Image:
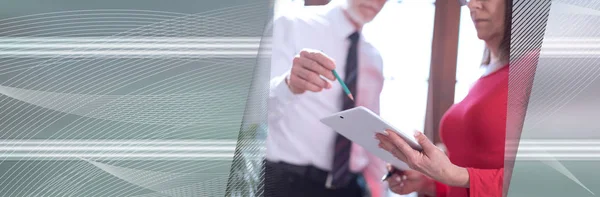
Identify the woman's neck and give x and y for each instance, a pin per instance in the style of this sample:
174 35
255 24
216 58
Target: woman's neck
495 53
496 63
496 57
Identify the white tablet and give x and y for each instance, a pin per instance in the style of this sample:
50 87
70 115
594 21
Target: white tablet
360 124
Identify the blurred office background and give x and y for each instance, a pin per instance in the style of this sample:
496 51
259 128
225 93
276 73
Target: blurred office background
403 32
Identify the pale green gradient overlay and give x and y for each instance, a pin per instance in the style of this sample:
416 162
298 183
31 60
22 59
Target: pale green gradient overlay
132 98
559 152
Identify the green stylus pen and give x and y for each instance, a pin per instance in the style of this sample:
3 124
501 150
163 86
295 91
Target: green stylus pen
343 85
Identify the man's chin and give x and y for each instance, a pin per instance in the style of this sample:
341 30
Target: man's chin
362 20
366 19
356 18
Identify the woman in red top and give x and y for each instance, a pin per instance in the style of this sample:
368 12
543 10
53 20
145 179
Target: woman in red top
473 130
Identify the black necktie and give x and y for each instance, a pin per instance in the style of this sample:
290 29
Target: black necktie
341 175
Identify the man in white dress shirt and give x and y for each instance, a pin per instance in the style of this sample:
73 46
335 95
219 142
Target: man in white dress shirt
304 156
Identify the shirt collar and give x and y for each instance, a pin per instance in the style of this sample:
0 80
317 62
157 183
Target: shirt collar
341 23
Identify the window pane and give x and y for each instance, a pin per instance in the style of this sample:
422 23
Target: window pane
470 53
403 32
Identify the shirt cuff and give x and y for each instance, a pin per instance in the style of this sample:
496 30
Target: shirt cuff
281 91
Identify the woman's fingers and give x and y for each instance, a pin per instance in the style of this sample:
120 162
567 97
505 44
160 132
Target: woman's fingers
425 143
401 145
385 142
388 145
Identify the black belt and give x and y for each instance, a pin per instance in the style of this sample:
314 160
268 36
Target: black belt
315 174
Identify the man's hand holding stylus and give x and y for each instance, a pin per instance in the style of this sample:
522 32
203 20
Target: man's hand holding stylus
307 68
409 181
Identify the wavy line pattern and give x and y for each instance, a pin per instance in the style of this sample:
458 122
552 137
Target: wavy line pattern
121 102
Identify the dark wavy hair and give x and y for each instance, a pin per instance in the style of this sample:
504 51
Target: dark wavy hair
504 52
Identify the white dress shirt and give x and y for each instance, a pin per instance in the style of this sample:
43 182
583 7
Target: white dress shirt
296 136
